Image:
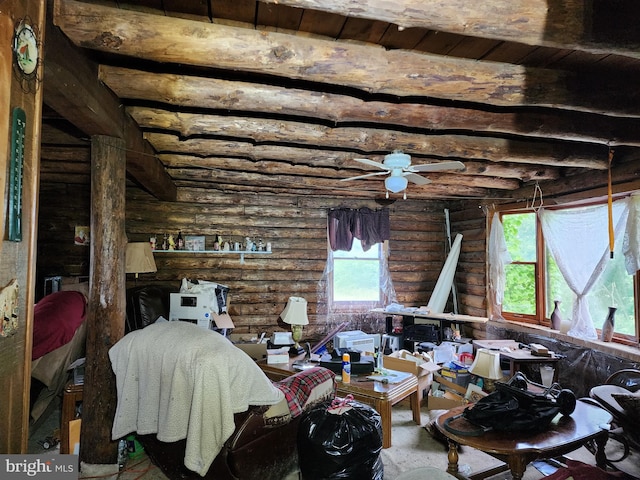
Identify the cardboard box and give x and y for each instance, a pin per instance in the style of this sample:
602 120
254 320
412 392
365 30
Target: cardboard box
449 385
419 364
248 343
448 401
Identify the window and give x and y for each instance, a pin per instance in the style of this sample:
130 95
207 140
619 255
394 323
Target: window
533 281
357 275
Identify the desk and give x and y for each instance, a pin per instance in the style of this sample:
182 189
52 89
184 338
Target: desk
375 394
565 434
516 355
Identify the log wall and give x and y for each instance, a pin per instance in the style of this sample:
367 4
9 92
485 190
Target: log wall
259 288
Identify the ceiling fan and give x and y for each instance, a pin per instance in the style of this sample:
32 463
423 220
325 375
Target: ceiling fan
398 166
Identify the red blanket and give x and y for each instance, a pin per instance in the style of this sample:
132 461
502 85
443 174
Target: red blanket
56 318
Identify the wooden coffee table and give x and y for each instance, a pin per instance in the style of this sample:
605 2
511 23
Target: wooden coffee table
379 395
565 434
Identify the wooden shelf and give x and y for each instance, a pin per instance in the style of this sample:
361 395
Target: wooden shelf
242 253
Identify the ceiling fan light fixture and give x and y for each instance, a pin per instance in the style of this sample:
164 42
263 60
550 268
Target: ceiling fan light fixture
395 184
397 159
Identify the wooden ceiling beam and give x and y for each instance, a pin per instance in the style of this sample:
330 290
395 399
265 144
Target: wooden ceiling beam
489 169
173 40
203 147
72 89
371 140
218 94
568 24
277 169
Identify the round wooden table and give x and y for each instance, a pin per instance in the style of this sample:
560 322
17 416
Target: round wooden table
565 434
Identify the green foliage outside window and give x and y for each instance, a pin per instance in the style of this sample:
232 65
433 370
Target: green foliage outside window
356 274
613 288
520 292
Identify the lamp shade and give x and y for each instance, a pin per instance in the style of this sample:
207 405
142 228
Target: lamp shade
487 364
295 313
395 184
139 258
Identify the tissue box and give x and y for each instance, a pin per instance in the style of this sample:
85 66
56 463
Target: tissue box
277 355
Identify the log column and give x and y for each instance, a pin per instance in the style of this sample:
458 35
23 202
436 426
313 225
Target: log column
106 310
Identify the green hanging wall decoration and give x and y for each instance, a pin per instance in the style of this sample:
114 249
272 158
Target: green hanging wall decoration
16 165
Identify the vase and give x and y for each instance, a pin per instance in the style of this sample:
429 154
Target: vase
608 326
556 319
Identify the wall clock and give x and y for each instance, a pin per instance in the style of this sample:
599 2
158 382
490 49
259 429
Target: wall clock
26 54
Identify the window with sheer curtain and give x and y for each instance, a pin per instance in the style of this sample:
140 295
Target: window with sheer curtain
563 254
356 276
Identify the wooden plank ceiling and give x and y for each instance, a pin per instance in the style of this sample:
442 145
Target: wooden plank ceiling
281 96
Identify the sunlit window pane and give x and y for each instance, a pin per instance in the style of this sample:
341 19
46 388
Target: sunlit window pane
356 274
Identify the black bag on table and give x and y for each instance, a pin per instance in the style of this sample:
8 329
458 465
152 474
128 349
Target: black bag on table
340 440
502 411
512 409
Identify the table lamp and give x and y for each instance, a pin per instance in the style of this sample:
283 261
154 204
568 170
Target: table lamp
295 314
486 364
139 258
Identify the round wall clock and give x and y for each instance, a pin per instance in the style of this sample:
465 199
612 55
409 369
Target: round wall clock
26 52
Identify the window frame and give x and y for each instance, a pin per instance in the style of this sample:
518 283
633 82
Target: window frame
356 305
540 275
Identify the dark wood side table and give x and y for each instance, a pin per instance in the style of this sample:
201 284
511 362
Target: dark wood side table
71 396
381 396
565 434
509 350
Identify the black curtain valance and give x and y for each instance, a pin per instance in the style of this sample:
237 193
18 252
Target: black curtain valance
368 226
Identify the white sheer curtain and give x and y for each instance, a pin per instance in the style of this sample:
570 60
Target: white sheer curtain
578 239
499 258
631 243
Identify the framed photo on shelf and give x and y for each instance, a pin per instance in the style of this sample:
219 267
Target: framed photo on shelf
194 243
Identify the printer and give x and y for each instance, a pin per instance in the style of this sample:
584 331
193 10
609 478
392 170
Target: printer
197 308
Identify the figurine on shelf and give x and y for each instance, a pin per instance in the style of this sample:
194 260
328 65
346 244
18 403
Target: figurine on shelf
172 243
152 241
248 244
216 243
260 245
165 242
180 245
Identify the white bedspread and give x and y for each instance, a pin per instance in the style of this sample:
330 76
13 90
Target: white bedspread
180 381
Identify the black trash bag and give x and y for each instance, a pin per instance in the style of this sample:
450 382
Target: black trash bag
341 439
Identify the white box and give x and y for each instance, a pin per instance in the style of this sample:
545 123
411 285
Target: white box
277 355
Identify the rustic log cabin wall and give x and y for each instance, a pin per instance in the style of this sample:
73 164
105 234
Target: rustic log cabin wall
469 219
296 228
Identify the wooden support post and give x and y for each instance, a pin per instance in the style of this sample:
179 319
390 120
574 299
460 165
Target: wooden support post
106 310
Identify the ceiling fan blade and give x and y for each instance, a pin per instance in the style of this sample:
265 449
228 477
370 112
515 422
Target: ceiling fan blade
417 179
436 167
363 176
373 163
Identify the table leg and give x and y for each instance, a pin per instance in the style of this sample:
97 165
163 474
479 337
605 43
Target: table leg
517 465
384 409
601 457
414 399
452 457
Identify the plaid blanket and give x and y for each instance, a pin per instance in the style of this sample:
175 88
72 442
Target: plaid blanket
298 389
